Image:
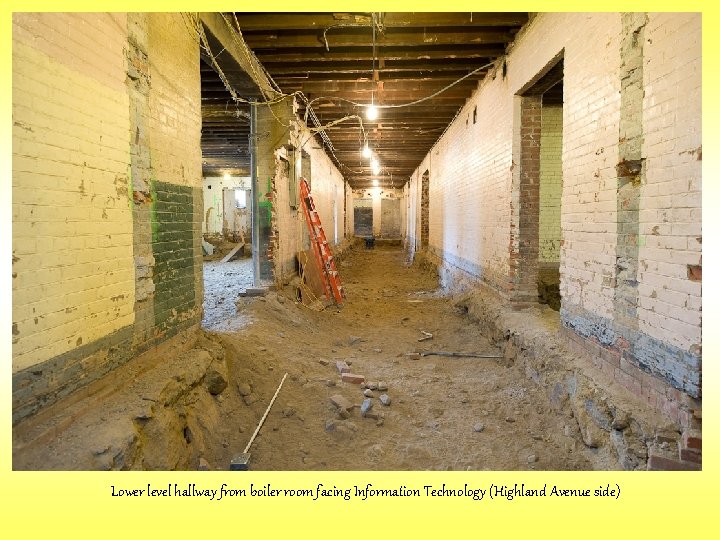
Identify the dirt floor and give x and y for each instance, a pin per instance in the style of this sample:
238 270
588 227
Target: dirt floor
443 413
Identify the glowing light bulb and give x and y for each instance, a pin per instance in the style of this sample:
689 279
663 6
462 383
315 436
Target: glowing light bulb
375 166
372 112
366 152
376 183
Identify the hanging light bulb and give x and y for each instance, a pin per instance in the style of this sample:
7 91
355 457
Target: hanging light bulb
371 112
226 176
366 152
376 183
375 166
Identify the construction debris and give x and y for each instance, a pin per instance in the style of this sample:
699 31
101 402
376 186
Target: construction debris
342 367
367 404
427 336
352 378
208 248
233 252
341 402
253 292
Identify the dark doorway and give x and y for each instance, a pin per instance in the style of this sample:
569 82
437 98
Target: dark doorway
363 216
425 210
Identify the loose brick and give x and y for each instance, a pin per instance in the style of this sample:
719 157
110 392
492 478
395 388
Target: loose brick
352 378
341 402
342 366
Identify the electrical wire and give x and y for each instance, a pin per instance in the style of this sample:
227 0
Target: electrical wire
259 72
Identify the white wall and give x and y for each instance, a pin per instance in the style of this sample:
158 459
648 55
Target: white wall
213 187
474 179
376 195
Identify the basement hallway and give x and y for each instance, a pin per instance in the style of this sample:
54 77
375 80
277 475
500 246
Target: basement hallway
444 413
179 180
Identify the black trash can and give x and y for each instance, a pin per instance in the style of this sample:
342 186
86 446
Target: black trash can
369 242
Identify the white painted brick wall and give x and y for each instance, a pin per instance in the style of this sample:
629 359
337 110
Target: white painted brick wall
349 213
328 193
72 219
471 167
670 201
175 120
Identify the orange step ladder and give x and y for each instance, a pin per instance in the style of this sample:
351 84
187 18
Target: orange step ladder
321 248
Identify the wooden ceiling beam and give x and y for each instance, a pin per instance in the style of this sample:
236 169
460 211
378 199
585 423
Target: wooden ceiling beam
355 86
353 38
447 74
387 78
311 56
309 21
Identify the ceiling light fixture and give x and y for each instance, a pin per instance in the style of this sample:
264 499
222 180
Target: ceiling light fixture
375 166
366 152
226 176
376 183
371 112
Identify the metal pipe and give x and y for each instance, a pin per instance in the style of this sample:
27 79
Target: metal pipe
255 195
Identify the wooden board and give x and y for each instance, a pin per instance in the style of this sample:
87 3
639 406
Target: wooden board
234 251
311 287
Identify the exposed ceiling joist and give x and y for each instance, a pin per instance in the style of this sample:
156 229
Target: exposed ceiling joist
310 21
332 56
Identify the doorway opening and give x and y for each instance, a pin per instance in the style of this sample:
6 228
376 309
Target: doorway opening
227 231
363 217
537 257
425 210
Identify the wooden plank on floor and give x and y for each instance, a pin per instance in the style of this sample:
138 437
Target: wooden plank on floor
234 251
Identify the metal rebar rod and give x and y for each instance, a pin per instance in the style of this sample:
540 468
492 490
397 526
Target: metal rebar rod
459 355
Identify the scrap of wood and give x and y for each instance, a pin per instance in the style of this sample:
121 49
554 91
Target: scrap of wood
459 354
233 252
428 336
251 291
